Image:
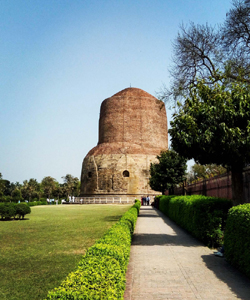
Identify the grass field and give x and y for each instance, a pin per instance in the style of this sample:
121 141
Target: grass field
36 254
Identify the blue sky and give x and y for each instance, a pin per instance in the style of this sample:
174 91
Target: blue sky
59 59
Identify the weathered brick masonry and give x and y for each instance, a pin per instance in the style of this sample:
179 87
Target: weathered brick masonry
132 131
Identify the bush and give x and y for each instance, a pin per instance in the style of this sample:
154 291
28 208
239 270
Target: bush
10 210
204 217
96 278
102 270
22 209
37 203
137 205
237 237
7 210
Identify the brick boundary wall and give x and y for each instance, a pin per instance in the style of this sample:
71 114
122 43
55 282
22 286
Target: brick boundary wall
218 186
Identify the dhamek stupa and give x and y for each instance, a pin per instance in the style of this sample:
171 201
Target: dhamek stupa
132 131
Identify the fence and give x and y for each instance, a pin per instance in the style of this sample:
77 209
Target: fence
218 186
103 200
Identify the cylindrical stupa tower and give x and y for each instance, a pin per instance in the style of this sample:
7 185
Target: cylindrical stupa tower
132 131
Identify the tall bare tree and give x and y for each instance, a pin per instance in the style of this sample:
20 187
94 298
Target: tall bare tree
211 53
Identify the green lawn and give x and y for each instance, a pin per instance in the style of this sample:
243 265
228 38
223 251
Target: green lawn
36 254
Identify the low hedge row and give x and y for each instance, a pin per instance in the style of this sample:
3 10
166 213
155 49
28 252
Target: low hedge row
102 270
204 217
237 237
35 203
14 210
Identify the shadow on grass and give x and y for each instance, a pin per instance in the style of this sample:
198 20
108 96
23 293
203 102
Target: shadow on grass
236 281
8 220
112 218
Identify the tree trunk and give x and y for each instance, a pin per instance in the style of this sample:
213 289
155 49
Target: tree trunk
171 191
237 186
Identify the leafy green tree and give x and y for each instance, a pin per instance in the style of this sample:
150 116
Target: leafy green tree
30 188
204 171
168 172
49 185
2 186
24 189
71 185
59 190
16 195
213 126
7 187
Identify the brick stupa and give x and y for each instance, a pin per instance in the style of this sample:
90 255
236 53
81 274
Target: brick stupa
132 131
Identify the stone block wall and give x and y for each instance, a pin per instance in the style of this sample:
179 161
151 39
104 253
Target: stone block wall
116 174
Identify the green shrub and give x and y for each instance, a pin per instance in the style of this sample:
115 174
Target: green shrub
137 205
120 253
16 195
37 203
102 270
7 210
204 217
96 278
237 237
22 209
8 198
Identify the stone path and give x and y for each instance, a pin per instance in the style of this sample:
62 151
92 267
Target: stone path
167 263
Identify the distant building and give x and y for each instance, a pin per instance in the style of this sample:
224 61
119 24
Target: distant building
132 131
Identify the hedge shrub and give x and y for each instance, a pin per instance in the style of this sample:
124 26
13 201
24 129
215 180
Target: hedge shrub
102 270
35 203
237 237
204 217
7 210
22 209
10 210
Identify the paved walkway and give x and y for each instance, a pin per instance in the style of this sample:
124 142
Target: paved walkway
167 263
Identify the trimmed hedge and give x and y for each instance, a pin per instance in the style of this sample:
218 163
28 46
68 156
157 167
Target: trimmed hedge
237 237
102 270
10 210
22 209
7 210
204 217
35 203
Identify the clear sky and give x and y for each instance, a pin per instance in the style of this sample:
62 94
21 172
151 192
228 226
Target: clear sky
59 59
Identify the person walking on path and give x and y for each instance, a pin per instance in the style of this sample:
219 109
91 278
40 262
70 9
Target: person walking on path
168 263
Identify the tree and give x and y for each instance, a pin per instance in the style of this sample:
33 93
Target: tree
168 172
30 188
213 54
49 185
213 126
235 35
199 172
71 185
7 187
2 186
16 195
